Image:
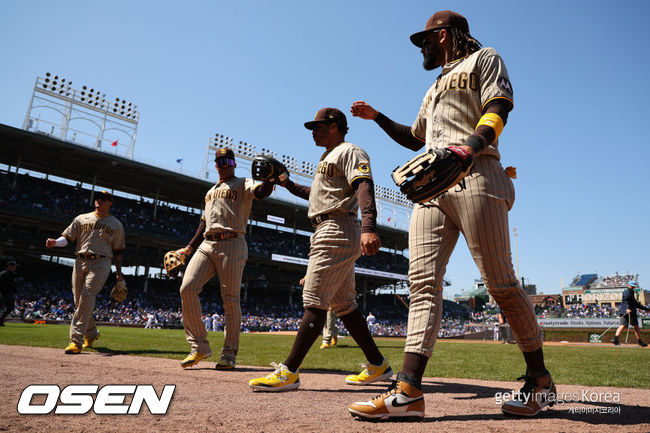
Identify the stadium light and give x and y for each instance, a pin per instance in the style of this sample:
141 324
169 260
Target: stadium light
56 93
394 203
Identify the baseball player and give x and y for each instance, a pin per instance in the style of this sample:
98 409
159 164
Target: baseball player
150 321
8 285
467 106
100 239
215 322
371 320
330 330
342 184
220 249
627 312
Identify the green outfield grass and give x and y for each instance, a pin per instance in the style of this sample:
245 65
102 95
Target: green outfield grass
589 366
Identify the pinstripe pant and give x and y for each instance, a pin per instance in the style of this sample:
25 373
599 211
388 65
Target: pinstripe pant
330 330
88 279
226 258
480 212
329 281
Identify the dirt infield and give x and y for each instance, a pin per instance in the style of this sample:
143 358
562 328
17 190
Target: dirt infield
207 400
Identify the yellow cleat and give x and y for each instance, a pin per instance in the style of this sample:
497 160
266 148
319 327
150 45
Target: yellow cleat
334 341
72 349
88 342
370 374
282 379
225 364
325 345
194 358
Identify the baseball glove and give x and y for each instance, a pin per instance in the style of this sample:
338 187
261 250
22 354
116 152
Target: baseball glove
432 173
267 168
119 291
174 260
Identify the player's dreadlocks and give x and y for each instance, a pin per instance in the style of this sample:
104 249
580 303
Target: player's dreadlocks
463 44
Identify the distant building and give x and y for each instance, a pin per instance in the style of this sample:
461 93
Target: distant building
544 301
607 290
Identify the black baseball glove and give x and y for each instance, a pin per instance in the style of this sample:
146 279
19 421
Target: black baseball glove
432 173
267 168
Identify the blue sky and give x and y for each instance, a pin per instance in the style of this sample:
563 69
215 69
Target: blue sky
256 71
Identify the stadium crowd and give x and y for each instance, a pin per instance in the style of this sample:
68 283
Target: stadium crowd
616 280
51 299
44 294
137 216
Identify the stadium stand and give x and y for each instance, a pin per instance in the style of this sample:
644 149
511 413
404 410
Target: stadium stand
57 201
584 280
44 294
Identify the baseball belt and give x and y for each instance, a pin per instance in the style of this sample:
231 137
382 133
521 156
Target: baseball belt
315 221
89 256
220 236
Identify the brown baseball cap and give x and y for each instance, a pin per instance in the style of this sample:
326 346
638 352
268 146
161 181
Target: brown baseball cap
105 195
441 20
224 152
328 115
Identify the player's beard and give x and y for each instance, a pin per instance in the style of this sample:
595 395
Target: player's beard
430 60
429 63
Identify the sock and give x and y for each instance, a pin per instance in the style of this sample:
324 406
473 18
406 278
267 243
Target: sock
535 361
410 379
311 325
358 329
413 366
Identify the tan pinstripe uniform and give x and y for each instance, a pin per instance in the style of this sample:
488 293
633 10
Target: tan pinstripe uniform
94 235
330 330
227 208
336 243
477 208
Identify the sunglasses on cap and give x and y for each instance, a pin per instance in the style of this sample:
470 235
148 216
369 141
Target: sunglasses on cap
225 162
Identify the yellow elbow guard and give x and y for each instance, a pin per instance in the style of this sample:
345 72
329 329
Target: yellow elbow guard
494 121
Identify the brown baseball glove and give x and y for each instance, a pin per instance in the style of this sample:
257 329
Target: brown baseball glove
432 173
119 291
175 260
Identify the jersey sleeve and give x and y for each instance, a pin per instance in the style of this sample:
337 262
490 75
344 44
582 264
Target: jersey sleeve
118 240
356 165
494 77
71 233
419 128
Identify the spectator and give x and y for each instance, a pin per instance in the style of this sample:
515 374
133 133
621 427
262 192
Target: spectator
8 283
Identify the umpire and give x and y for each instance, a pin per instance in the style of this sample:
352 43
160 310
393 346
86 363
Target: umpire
627 311
7 290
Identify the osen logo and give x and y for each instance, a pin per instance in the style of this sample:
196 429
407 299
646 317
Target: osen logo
80 399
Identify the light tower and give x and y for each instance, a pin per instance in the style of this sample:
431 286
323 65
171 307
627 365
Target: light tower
54 96
393 208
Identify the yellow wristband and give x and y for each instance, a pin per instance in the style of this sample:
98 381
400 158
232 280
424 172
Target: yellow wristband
494 121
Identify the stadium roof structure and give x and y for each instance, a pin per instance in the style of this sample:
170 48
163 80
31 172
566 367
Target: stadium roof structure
46 154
